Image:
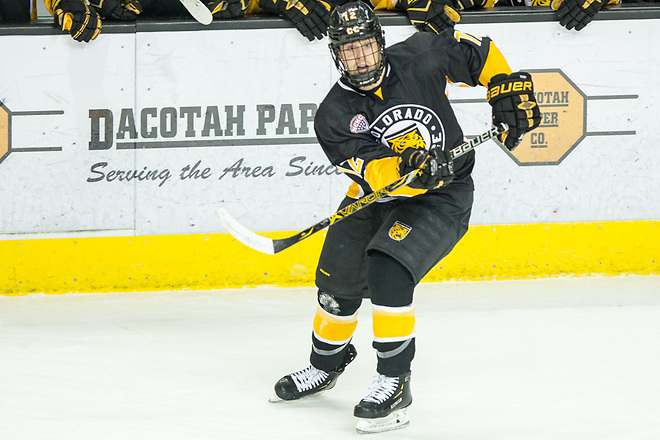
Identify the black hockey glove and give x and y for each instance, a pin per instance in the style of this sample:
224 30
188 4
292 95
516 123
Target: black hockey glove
311 17
228 8
513 102
577 13
117 9
83 23
437 167
431 15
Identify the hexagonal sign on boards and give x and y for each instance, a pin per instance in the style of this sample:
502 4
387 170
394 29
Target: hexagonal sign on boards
5 132
563 120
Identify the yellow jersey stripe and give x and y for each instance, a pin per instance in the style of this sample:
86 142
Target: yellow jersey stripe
382 172
495 63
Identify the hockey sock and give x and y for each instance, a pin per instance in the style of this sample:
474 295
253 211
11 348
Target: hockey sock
391 287
334 324
394 338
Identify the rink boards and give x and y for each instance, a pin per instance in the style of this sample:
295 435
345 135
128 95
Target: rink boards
115 155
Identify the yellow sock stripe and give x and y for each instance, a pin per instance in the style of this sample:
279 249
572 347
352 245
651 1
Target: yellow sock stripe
334 329
393 323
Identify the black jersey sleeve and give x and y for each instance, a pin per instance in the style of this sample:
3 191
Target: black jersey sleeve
480 57
461 57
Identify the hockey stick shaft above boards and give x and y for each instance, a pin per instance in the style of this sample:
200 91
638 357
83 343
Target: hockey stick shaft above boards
198 11
272 246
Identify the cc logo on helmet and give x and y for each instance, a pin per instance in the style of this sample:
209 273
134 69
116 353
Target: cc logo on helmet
353 30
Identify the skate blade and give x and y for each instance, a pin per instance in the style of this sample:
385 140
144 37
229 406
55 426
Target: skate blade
397 420
276 399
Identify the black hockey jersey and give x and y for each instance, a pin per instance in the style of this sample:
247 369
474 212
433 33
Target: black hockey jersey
17 11
363 133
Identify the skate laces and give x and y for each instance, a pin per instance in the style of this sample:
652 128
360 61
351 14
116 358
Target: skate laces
308 378
381 388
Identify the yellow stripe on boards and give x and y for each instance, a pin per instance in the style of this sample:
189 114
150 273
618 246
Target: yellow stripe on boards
553 249
217 261
150 263
334 329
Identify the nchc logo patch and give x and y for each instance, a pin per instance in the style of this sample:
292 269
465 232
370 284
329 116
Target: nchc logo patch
399 231
359 123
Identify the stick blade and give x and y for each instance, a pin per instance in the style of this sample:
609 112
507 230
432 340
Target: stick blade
199 12
244 235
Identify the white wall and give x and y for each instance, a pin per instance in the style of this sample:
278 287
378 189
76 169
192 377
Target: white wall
55 87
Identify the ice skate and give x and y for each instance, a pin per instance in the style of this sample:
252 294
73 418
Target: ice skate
385 408
311 380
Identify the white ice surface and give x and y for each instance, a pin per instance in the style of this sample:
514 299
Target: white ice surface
567 358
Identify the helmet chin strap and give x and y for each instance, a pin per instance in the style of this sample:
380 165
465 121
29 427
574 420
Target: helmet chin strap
367 80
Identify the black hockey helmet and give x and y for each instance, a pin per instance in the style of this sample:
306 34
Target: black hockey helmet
350 22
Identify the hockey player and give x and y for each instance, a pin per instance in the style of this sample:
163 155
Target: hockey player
82 19
386 116
572 14
576 14
17 11
436 15
311 16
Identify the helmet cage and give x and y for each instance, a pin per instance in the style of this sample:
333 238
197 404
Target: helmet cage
352 22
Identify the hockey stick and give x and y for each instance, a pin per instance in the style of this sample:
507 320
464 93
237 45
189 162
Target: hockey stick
272 246
199 12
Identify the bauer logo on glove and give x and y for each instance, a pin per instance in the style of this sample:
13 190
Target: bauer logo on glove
513 102
509 87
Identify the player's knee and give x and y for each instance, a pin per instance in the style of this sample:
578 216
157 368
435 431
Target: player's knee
337 305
